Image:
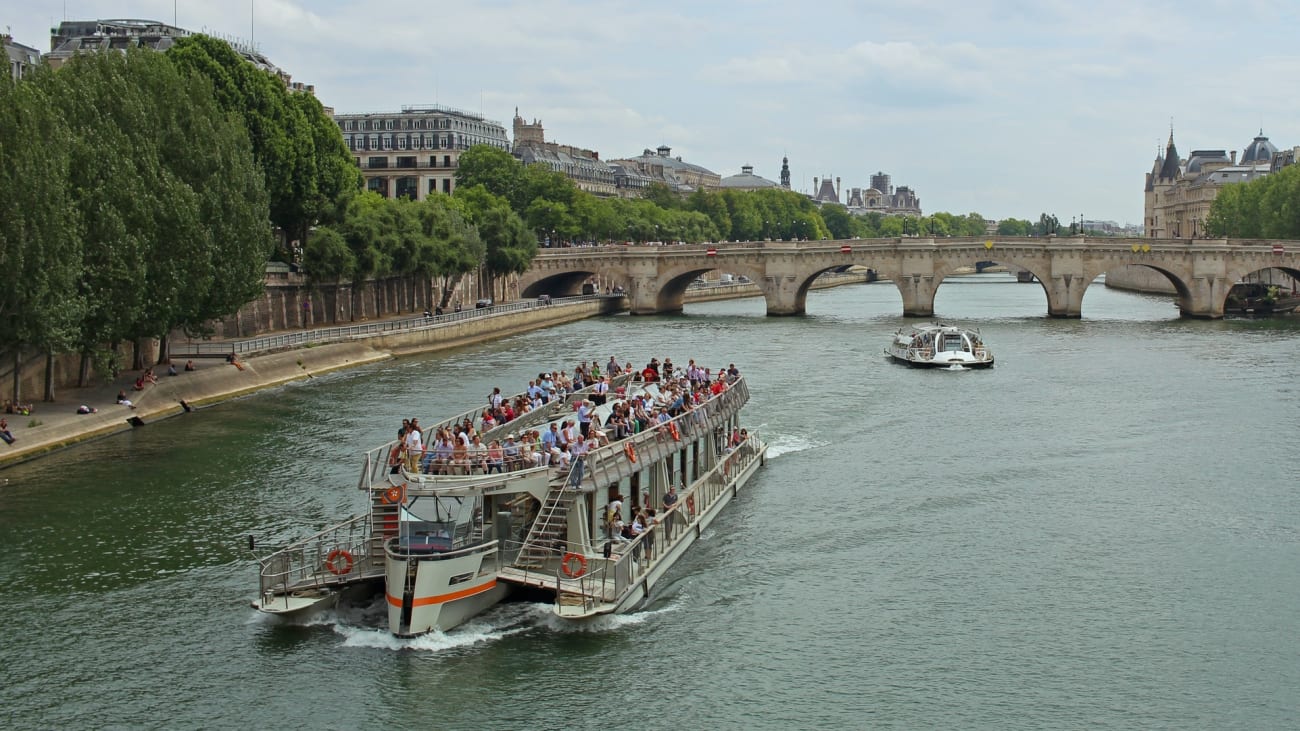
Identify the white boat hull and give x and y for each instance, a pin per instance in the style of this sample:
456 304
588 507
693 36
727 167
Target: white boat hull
446 591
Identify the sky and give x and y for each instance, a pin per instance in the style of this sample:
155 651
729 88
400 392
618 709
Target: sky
1004 108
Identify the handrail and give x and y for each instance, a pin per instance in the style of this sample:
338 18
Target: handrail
302 564
320 336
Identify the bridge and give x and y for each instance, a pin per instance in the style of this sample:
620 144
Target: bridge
655 277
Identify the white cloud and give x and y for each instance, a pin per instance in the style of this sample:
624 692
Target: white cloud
1007 107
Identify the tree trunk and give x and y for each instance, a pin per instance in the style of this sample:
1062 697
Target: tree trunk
18 375
164 350
137 355
83 371
49 376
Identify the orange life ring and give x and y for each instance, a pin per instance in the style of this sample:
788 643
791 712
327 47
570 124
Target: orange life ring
339 562
690 503
394 494
568 569
672 429
630 451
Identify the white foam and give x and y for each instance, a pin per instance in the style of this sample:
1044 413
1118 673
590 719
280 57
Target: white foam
790 443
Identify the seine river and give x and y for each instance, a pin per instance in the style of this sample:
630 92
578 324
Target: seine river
1100 532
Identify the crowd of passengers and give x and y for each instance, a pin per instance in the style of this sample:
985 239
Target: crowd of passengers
460 449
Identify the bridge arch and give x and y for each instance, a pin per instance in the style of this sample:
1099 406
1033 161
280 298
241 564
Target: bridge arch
670 289
566 283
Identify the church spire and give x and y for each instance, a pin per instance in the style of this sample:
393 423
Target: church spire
785 173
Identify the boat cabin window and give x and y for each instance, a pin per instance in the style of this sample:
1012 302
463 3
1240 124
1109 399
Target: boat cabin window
436 524
953 343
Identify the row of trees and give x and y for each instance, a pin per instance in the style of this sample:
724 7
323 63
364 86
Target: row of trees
130 205
1265 208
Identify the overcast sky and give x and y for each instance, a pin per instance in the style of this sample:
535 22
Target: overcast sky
1002 108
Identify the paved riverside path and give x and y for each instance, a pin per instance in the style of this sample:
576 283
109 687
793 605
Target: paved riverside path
55 425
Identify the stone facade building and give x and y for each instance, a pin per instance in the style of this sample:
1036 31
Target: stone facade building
1179 192
660 166
746 180
22 59
881 197
584 167
415 152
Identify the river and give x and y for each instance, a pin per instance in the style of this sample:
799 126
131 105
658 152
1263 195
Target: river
1101 531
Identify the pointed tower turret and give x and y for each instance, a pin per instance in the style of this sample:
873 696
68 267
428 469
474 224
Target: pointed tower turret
1169 169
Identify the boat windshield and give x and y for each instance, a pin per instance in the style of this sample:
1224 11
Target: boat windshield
953 343
440 523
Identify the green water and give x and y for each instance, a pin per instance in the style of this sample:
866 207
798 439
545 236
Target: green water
1099 532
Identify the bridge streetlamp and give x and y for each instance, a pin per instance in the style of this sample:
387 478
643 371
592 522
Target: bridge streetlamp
1071 225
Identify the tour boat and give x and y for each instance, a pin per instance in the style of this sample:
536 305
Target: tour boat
940 346
443 548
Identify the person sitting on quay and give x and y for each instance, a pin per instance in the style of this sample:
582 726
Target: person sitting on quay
139 384
5 434
122 399
171 369
84 409
189 365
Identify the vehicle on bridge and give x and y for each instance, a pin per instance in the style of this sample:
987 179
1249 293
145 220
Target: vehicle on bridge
940 346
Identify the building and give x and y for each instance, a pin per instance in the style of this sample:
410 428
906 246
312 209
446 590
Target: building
661 167
22 59
415 152
881 197
1179 193
747 180
81 36
584 167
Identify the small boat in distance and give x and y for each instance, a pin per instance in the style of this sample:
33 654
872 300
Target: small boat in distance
939 346
1258 298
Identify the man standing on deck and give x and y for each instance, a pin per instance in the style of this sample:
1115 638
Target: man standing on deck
584 418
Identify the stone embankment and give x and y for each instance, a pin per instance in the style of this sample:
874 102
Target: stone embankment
52 426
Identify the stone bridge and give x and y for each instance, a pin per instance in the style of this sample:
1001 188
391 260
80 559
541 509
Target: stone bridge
656 276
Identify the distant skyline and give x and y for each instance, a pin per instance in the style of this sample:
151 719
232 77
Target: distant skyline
1008 109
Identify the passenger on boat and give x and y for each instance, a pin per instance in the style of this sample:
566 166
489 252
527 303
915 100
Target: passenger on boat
611 368
670 498
585 408
478 455
495 457
510 453
397 454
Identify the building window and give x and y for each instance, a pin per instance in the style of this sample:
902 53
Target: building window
446 185
388 124
446 161
401 142
386 141
374 142
428 141
377 162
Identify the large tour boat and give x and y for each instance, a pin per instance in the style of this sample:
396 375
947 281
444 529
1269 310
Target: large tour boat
444 540
939 346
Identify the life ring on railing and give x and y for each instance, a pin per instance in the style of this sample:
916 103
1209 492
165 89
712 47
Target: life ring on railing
339 562
566 565
690 504
395 494
672 429
630 451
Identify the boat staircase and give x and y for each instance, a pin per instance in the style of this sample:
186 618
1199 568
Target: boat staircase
548 530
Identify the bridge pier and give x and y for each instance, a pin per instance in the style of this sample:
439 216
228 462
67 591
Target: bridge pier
1065 295
917 291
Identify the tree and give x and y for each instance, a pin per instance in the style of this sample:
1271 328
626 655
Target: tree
493 168
282 136
837 221
40 241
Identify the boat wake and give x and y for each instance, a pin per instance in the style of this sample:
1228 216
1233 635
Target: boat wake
790 443
503 622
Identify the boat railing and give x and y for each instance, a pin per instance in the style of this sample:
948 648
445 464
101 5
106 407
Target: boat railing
375 464
620 459
604 579
336 555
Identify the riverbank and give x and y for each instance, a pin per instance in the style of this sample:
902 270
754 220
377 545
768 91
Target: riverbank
54 426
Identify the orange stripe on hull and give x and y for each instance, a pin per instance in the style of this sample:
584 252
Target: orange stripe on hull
443 598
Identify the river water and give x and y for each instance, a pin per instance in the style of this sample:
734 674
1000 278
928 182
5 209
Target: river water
1101 531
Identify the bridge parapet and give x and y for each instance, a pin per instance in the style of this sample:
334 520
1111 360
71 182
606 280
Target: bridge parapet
655 276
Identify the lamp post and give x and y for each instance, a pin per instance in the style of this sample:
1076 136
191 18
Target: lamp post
1072 229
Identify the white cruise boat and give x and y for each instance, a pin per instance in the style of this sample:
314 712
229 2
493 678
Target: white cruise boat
940 346
443 548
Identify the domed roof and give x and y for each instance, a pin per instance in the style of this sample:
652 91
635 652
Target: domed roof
1259 150
746 180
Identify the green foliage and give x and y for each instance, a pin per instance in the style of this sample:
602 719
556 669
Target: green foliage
1265 208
